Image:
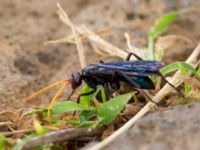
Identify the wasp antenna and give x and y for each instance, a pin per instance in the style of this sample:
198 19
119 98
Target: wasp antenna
45 89
54 99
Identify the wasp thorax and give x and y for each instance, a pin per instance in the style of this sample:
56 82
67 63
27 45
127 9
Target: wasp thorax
76 79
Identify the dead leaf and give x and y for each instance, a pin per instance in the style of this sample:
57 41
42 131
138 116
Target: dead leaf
10 115
193 82
194 94
168 41
108 131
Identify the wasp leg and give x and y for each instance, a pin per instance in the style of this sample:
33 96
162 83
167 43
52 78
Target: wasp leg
115 85
137 86
69 97
147 96
160 74
83 94
130 54
107 90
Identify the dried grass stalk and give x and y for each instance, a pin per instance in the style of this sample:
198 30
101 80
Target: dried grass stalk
64 17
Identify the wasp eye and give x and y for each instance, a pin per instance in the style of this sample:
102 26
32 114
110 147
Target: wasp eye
76 80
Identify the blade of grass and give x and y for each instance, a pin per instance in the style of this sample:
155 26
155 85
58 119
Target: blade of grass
108 111
67 106
87 114
85 100
40 130
3 142
161 24
176 66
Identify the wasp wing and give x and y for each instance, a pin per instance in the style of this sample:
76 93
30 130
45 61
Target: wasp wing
144 82
137 68
137 71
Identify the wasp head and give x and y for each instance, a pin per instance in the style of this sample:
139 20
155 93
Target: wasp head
76 80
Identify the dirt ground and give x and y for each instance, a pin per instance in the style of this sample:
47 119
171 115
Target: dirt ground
26 65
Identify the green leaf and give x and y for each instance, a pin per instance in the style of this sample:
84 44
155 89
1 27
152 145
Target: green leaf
183 69
150 54
159 27
108 111
73 122
85 100
187 88
103 94
100 89
87 114
175 66
88 124
159 55
162 23
3 142
85 124
67 106
198 74
40 130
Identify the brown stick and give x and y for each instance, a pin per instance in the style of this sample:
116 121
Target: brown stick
62 135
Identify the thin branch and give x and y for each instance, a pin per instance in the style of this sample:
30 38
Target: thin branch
7 123
71 39
62 135
176 80
101 44
132 48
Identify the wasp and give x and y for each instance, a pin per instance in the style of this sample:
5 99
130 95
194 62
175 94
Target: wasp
135 74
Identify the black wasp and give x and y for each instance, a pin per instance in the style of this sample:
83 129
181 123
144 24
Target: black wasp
135 74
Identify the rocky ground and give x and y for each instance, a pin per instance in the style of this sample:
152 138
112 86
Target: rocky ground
172 129
26 65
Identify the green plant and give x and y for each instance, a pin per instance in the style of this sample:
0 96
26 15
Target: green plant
160 25
3 142
104 112
185 69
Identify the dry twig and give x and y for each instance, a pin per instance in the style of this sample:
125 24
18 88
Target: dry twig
10 133
62 135
64 17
